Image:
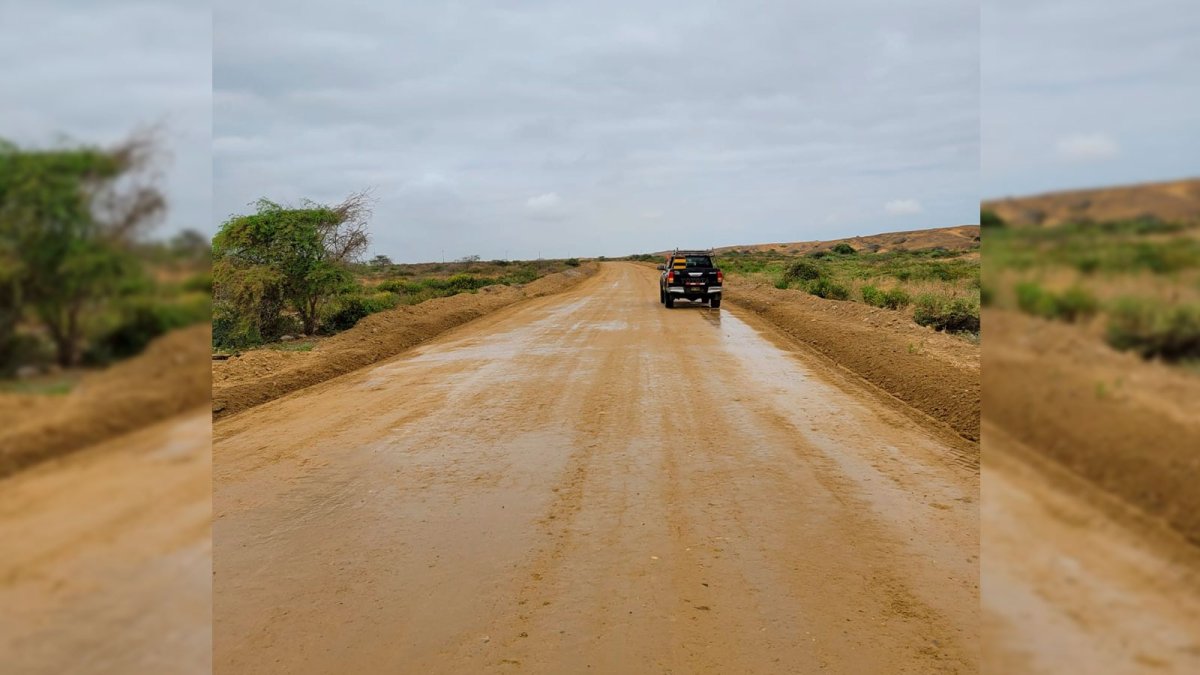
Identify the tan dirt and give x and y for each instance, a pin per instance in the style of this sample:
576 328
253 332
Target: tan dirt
261 375
935 373
1074 581
954 238
1130 427
589 482
106 557
170 377
1177 200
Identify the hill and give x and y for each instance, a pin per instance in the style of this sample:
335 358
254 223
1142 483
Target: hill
1177 200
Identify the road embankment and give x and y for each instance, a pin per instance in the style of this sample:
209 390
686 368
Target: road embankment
262 375
170 377
935 373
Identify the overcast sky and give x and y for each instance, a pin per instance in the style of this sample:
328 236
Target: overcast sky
1081 93
601 128
91 71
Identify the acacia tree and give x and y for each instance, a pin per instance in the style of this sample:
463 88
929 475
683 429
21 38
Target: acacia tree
67 217
283 256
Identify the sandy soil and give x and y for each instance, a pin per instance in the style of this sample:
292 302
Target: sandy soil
105 557
170 377
1177 200
1075 581
588 482
261 375
1130 427
934 373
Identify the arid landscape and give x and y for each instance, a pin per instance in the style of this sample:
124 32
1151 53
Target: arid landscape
794 466
1091 415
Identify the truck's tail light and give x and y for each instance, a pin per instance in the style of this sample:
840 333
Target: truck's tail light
720 277
671 277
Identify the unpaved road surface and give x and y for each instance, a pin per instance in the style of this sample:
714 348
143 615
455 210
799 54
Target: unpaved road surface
588 482
105 557
1076 582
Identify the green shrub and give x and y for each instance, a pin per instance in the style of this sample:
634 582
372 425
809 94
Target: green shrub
348 310
818 254
1153 329
988 218
1035 300
398 286
1071 305
803 270
844 249
986 295
894 298
1075 303
830 290
200 283
872 296
782 283
953 315
141 322
572 262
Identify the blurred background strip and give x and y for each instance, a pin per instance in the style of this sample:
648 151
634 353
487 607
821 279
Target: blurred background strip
105 460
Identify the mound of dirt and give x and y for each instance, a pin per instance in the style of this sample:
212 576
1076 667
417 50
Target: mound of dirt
1131 427
170 377
935 373
258 376
955 238
1171 201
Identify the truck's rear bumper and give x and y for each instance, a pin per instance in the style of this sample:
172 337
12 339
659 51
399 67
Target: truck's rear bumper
680 289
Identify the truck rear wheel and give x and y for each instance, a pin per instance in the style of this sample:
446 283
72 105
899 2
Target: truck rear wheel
669 301
715 302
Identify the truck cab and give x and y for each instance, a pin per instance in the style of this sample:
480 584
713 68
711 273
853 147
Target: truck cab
690 275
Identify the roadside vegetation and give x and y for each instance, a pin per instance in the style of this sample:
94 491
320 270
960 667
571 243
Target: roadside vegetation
936 287
1135 282
82 283
285 276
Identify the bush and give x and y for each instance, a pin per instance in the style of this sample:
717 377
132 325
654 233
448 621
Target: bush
348 310
818 254
143 321
1155 330
782 283
894 298
988 218
844 249
803 270
1035 300
1075 303
200 283
1071 305
830 290
953 315
872 296
572 262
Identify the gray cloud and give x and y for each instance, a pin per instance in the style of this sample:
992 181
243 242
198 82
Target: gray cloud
600 128
1080 93
93 71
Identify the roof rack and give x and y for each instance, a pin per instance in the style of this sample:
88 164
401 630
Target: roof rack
688 251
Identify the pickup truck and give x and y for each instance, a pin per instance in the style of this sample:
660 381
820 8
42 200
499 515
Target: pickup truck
690 275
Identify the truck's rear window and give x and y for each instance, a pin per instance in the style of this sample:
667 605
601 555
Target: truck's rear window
684 262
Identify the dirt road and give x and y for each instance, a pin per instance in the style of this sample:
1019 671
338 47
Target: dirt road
588 482
105 557
1076 581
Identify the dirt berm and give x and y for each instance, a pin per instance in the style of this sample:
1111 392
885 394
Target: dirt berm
261 375
1128 426
935 373
170 377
